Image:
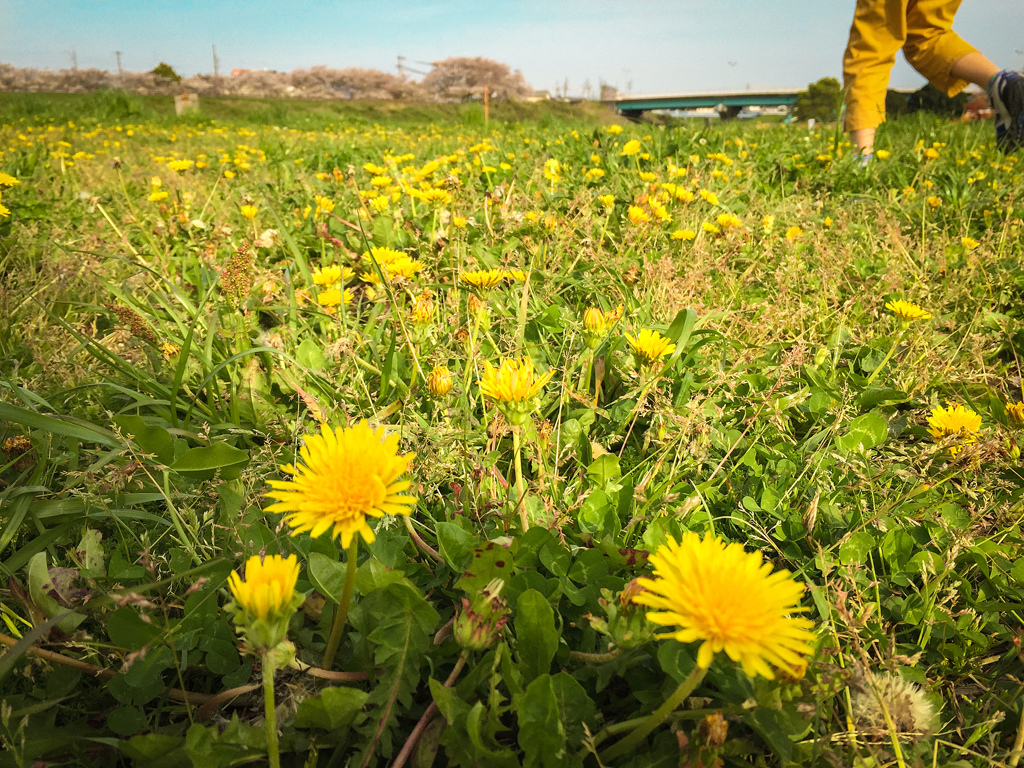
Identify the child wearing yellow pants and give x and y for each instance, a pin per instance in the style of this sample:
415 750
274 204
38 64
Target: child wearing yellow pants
924 30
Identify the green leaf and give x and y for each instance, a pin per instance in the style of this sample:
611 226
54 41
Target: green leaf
125 721
491 561
575 707
90 555
387 367
536 637
855 549
127 630
455 544
541 729
604 471
40 584
327 575
67 427
154 440
594 511
864 433
202 463
676 660
310 355
335 708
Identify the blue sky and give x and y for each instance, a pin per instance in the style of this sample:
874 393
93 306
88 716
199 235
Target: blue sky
648 46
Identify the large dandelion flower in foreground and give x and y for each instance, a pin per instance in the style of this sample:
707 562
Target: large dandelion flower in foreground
346 476
650 345
728 598
955 420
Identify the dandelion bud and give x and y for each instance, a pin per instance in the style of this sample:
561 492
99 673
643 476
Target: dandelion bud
440 381
594 320
265 600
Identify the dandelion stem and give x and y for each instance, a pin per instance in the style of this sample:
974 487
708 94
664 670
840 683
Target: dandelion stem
269 710
1018 744
524 516
888 357
656 718
341 614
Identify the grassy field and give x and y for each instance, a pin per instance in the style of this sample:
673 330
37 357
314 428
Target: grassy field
600 353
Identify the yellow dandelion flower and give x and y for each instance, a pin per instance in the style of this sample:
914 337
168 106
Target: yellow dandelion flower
439 382
729 221
638 215
683 234
934 201
1015 411
608 201
730 600
423 309
595 321
931 153
710 228
907 311
180 165
169 349
650 345
483 279
268 590
332 297
437 197
708 196
882 154
794 233
631 147
159 195
6 180
768 224
330 275
614 129
513 381
249 212
955 421
969 243
347 475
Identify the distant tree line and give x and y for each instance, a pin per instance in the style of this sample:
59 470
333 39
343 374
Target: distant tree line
452 79
823 100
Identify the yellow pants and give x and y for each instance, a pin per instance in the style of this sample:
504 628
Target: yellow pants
922 28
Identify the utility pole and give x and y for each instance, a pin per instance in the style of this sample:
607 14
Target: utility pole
74 60
401 66
119 70
216 64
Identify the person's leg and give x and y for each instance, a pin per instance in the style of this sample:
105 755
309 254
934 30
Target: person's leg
936 51
950 63
877 33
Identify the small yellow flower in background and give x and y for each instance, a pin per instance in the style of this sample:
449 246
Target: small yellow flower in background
328 276
935 201
180 165
346 475
324 205
332 297
229 174
956 420
437 197
931 153
828 221
710 228
155 182
614 129
907 311
882 154
768 224
515 274
439 382
794 233
158 195
969 243
1015 412
708 196
268 590
608 201
631 147
169 349
483 279
650 345
729 600
728 221
644 175
638 215
513 381
683 234
249 212
459 221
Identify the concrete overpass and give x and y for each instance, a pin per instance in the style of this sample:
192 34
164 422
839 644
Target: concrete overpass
728 103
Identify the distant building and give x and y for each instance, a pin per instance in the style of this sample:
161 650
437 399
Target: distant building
237 72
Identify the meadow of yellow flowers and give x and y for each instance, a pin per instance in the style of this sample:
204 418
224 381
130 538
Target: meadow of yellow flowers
550 443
